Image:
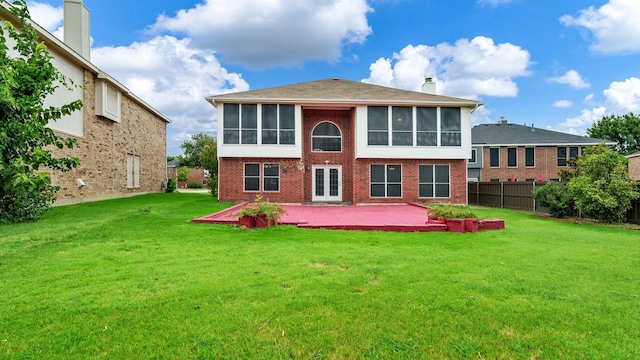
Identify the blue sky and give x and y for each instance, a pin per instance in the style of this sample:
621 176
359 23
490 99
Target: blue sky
555 64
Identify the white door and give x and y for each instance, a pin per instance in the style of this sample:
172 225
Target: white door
327 183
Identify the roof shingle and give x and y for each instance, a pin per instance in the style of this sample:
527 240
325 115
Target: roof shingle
504 133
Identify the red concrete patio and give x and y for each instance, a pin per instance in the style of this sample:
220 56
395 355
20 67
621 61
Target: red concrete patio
397 217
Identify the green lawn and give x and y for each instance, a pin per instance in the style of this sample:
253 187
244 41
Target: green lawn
133 278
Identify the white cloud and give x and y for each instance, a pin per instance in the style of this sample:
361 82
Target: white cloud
47 16
562 104
571 78
578 125
273 33
588 99
468 68
624 95
614 25
173 77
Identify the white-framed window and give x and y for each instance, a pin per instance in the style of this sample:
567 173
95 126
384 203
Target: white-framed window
253 124
278 124
133 171
386 181
494 157
257 174
414 126
474 156
434 181
451 126
530 157
326 136
512 157
108 100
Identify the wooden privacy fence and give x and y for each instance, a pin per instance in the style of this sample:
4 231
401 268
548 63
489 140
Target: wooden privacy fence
508 195
519 196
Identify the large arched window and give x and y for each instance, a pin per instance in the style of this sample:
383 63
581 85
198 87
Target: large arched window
326 137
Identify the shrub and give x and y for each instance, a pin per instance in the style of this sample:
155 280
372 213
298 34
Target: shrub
171 186
601 187
194 185
555 197
273 211
451 211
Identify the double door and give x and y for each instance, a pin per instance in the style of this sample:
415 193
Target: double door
327 183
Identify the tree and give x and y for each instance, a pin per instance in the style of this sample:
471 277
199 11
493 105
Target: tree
624 130
27 77
601 186
202 152
183 173
193 150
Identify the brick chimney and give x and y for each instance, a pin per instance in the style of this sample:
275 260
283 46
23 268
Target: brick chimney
76 27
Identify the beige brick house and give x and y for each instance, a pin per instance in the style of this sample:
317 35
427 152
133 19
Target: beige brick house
634 165
339 141
121 139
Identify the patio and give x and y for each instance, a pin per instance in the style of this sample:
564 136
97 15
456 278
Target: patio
395 217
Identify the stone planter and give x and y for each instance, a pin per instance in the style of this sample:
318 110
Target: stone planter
471 225
456 225
262 221
247 221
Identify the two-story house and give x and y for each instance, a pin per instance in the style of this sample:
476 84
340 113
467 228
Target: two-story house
510 152
121 140
342 141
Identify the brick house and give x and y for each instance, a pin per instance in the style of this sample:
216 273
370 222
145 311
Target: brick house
339 141
121 139
634 165
512 152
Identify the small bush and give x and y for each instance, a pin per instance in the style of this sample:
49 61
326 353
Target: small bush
555 196
451 211
171 186
194 185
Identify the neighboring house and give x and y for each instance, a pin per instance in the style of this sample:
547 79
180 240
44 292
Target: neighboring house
634 165
196 175
342 141
512 152
121 139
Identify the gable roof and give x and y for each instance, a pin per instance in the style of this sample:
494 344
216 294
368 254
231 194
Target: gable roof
504 133
63 49
339 91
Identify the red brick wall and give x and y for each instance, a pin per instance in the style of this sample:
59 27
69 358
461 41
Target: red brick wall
458 179
231 181
345 120
546 165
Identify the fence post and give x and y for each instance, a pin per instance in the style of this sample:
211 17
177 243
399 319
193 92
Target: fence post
533 190
502 195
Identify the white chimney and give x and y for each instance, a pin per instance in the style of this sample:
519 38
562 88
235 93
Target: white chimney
429 86
76 27
502 121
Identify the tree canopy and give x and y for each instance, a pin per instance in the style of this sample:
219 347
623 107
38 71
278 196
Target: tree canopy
202 152
27 77
601 186
624 130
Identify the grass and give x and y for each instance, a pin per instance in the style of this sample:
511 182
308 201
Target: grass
133 278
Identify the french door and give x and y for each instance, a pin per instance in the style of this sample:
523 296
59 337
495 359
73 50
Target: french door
327 183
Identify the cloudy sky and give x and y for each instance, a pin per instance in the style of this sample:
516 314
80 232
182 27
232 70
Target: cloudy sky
555 64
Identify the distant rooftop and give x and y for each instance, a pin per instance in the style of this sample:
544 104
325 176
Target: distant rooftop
504 133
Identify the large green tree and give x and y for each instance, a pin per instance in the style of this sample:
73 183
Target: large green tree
27 77
624 130
601 186
202 152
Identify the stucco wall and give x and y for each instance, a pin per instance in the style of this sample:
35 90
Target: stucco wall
103 152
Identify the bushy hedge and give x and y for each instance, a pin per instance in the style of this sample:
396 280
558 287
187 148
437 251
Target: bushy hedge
555 197
194 185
